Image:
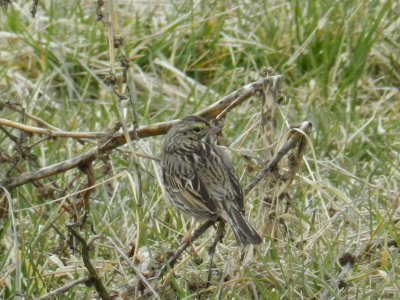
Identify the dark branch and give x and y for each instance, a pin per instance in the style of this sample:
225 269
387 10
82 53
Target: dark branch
196 234
94 277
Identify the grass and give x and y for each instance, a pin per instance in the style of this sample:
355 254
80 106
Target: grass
340 62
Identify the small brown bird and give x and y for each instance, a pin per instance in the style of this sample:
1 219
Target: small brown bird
200 180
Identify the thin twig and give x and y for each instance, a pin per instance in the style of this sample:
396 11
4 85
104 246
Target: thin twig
296 137
129 87
18 108
34 8
213 247
114 43
110 25
64 288
53 133
10 135
88 170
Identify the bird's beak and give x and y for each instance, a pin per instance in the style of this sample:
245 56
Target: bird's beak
213 130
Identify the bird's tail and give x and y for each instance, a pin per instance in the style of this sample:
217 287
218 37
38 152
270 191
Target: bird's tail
244 233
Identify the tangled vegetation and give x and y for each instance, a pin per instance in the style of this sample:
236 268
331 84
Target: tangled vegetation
80 78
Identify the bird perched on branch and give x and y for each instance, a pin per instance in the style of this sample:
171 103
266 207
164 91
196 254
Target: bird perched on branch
200 180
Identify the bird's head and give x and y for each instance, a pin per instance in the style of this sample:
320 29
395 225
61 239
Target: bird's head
191 129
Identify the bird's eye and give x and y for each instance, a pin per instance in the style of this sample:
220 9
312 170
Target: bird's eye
197 129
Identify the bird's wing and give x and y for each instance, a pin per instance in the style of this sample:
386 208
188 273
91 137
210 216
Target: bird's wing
185 186
233 181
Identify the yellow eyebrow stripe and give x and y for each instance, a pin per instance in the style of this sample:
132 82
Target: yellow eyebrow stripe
199 125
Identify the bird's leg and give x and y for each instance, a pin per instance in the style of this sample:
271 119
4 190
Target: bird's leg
211 250
188 238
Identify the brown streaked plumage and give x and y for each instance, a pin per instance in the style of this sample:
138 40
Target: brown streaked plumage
200 180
